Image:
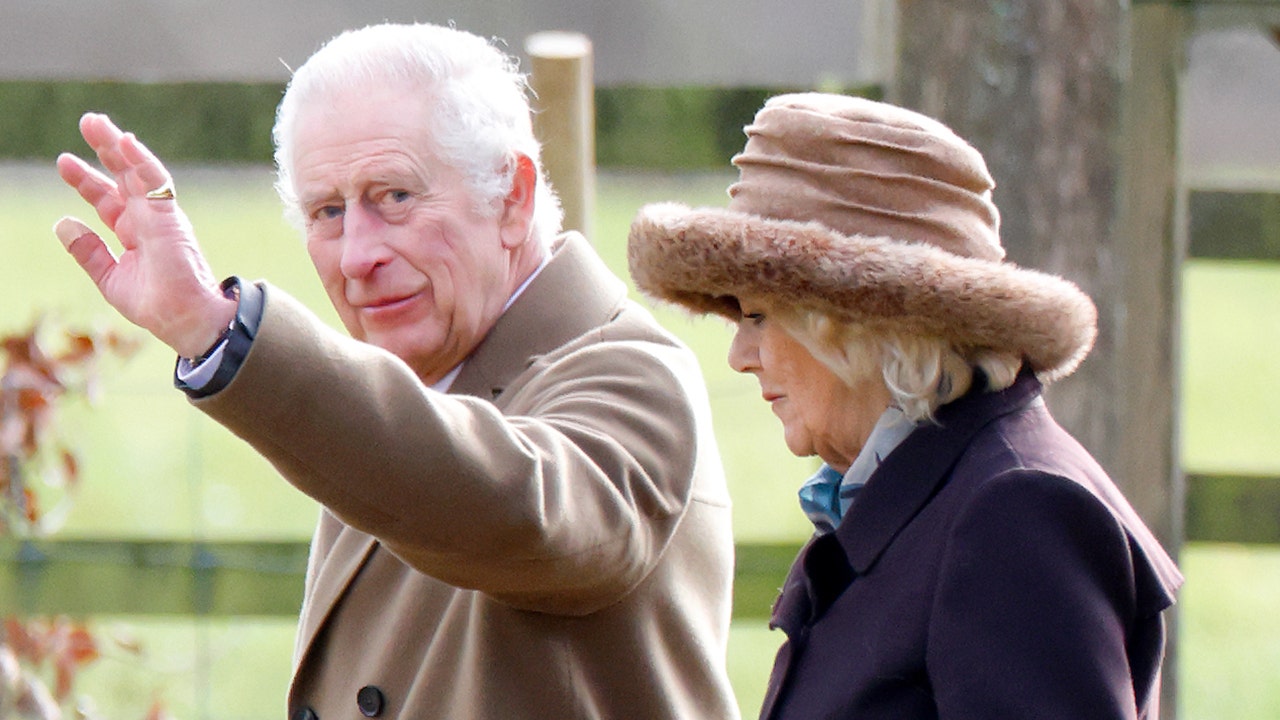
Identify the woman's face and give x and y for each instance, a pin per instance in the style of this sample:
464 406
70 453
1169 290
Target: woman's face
820 413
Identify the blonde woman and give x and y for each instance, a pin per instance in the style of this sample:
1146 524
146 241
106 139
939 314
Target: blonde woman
970 560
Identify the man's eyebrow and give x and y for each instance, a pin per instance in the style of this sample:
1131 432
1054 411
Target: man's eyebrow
313 197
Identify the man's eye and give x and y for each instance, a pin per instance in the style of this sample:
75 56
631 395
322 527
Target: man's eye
327 212
394 197
754 318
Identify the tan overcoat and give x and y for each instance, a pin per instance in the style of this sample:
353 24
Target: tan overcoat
549 540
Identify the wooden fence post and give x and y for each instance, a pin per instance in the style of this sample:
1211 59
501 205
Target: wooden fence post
564 120
1150 249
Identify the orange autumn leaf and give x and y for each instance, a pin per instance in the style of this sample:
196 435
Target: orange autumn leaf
30 505
25 642
79 347
158 712
70 467
72 647
80 647
31 400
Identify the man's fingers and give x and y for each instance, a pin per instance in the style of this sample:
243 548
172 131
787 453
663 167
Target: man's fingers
104 137
69 229
135 168
150 171
87 247
92 185
71 169
96 188
132 169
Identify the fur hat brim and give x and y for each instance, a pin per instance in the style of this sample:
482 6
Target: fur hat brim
706 258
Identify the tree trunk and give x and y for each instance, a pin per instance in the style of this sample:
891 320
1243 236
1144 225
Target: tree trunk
1074 105
1035 87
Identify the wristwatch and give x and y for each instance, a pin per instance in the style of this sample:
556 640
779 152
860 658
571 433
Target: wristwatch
235 341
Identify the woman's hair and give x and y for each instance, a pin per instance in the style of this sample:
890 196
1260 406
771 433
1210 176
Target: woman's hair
480 109
922 373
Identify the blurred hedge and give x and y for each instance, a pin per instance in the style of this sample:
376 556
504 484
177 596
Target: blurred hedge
1238 225
213 122
639 127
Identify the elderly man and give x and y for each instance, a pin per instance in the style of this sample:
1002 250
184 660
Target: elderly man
524 513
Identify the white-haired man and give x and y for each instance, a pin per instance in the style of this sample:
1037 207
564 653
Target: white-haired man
524 513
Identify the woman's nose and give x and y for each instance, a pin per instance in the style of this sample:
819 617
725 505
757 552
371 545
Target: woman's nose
744 351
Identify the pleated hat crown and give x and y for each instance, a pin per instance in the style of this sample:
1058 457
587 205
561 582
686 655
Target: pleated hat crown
861 167
868 213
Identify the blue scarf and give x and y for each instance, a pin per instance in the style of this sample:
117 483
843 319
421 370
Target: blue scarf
826 496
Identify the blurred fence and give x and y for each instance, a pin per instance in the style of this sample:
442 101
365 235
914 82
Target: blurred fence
236 578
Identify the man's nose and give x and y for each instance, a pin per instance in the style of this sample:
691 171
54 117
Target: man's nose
364 246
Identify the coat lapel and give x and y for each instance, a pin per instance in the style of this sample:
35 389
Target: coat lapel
335 568
818 576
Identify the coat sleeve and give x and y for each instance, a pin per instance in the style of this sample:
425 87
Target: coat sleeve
562 505
1034 605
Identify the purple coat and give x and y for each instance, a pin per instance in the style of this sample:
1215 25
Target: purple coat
989 569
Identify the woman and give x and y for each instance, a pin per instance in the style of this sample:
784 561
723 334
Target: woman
970 559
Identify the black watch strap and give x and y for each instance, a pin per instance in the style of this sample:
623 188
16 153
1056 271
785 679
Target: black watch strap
236 340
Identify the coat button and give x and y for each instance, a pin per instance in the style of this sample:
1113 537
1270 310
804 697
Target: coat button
370 701
305 713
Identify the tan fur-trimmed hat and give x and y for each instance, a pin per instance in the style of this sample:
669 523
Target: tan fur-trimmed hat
868 213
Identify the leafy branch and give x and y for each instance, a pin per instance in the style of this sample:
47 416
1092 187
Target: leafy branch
37 464
40 658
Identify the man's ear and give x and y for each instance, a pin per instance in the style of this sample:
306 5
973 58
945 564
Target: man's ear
517 206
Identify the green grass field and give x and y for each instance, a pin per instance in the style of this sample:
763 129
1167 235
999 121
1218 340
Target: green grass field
156 469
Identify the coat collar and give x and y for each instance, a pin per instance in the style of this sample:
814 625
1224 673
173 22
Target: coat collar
574 293
919 465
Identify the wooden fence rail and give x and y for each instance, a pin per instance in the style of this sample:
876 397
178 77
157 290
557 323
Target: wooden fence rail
263 578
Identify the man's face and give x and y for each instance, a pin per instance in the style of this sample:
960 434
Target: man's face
406 257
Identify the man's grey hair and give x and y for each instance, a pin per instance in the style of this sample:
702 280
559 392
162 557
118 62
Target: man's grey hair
481 117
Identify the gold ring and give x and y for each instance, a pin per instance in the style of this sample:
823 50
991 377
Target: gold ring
164 192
